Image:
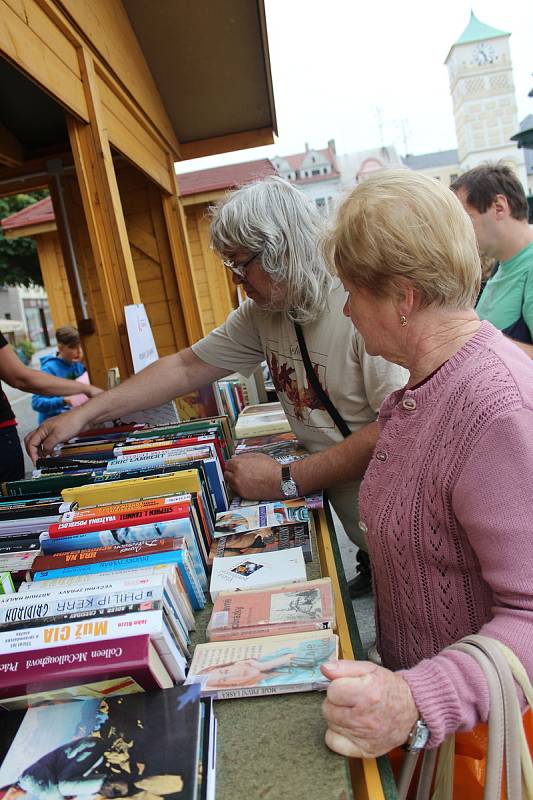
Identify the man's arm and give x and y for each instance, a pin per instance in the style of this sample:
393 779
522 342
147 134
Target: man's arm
255 476
162 381
16 374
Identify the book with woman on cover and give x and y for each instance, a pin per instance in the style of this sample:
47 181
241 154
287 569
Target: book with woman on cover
263 666
107 748
262 515
265 540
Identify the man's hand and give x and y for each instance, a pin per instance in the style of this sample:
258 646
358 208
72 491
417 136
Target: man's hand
53 431
369 709
90 390
254 476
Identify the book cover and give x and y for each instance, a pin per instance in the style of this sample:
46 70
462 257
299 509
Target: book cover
262 515
263 666
265 418
107 747
265 540
283 609
259 571
136 488
68 672
119 508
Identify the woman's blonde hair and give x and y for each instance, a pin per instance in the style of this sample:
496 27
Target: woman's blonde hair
399 226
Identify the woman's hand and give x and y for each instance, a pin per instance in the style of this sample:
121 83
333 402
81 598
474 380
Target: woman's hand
369 709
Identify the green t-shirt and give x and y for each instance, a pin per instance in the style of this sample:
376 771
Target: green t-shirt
510 292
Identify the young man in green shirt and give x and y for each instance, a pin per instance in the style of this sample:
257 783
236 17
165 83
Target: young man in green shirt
496 203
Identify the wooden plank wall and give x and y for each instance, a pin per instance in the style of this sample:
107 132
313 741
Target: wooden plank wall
55 279
215 292
148 238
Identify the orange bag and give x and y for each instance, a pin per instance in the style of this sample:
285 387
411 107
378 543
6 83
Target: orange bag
470 762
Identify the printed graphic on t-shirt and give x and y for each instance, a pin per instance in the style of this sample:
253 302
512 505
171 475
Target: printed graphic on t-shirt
290 381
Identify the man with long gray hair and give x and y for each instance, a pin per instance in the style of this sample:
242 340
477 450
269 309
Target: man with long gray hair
268 234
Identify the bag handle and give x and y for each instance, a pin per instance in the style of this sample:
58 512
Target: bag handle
317 386
506 731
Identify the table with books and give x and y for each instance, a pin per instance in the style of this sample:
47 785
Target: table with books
110 545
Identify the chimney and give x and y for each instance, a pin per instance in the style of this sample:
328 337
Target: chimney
307 147
331 145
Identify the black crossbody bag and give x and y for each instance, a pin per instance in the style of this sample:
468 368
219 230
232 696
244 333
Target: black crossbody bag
315 383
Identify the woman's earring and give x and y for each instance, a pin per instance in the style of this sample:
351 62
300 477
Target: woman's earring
403 320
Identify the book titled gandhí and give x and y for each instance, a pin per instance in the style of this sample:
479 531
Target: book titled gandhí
259 571
263 666
265 540
68 672
295 608
139 745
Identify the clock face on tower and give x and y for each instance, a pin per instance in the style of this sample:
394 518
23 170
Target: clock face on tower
483 54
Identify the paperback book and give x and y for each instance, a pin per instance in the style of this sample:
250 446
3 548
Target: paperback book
107 748
265 540
259 571
294 608
262 515
263 666
265 418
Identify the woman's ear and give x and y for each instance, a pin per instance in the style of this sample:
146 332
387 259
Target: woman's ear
406 298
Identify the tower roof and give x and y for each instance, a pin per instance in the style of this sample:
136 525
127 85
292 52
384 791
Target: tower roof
477 31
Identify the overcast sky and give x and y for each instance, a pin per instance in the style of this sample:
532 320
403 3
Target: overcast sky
371 72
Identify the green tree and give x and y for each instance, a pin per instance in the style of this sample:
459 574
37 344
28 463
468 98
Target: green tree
19 263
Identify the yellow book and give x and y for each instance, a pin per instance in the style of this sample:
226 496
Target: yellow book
186 480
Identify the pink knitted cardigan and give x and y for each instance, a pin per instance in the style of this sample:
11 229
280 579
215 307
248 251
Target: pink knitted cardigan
447 502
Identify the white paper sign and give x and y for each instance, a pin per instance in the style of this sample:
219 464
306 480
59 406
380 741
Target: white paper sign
144 353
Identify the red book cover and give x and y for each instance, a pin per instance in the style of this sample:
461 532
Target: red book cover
73 558
129 519
114 666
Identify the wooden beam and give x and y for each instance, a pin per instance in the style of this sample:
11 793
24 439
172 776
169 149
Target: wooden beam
202 197
30 230
182 260
11 151
105 218
226 144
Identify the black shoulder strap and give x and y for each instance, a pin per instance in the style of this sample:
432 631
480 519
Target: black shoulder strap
315 383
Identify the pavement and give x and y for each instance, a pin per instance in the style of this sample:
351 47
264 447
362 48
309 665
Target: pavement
363 606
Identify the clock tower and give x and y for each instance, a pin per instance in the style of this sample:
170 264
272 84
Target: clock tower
484 104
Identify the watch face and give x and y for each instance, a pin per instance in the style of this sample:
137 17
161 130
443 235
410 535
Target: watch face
483 54
289 488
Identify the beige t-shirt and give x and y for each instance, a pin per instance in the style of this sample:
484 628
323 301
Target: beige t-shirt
356 383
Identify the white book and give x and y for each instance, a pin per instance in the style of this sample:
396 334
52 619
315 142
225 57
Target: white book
98 630
237 573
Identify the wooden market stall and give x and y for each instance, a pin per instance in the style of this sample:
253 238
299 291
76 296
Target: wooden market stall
97 101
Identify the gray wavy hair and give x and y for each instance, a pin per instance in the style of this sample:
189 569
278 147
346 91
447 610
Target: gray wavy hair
272 218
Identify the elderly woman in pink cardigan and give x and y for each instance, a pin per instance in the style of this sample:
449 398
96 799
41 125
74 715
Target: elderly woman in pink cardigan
447 501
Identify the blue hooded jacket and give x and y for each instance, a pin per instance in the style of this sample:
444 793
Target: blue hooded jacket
52 406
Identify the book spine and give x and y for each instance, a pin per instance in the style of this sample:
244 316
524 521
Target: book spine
263 691
137 488
149 504
25 608
106 553
120 520
80 616
49 636
179 528
22 673
190 581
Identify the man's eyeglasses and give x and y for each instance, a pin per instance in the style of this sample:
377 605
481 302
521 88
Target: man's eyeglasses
239 269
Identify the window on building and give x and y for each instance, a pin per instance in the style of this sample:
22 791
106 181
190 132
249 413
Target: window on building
453 177
320 202
325 170
315 172
7 315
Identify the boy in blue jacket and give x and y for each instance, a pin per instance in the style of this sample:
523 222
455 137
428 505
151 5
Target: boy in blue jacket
65 364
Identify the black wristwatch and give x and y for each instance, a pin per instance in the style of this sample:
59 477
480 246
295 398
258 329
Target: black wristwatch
288 485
